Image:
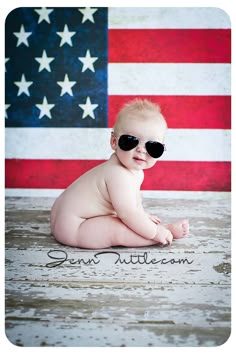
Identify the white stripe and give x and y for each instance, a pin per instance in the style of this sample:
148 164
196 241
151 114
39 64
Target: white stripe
33 192
198 145
167 17
93 144
54 193
169 79
58 143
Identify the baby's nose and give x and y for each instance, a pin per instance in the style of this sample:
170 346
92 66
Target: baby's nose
141 147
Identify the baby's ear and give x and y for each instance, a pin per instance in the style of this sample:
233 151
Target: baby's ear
113 142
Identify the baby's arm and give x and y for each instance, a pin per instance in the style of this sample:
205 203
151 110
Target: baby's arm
122 189
154 218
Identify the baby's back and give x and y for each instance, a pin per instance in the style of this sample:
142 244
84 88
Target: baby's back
87 197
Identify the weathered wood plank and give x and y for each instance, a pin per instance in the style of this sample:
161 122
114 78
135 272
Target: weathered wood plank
212 216
116 266
152 296
121 301
169 311
99 334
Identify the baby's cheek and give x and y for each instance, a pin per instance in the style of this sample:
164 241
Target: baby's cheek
151 162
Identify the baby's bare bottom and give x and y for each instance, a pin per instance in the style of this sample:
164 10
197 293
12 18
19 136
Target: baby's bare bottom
98 232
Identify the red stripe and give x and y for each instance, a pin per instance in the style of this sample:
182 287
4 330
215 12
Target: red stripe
169 46
189 176
196 112
166 175
24 173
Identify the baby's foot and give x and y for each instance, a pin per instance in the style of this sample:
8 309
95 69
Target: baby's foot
179 229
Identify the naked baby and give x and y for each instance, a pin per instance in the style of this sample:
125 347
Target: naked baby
103 207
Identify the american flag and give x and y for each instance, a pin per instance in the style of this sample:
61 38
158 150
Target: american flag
69 71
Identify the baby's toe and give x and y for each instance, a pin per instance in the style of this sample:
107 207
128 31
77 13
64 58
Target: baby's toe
185 228
185 223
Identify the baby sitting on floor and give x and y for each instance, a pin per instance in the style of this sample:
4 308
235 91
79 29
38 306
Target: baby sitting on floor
103 207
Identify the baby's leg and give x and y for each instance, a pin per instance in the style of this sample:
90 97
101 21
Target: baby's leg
102 232
107 231
97 232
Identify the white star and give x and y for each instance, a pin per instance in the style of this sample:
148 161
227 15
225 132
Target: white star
88 108
22 36
45 108
88 14
43 14
6 60
23 86
88 61
44 62
6 108
66 36
66 86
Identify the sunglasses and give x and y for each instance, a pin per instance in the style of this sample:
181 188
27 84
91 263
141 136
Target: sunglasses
129 142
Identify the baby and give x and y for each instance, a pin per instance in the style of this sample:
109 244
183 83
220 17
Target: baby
103 207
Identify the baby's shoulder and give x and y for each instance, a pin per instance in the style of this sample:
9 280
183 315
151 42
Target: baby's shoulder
120 179
113 169
116 172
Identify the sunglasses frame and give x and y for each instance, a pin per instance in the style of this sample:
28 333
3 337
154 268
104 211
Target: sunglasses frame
139 141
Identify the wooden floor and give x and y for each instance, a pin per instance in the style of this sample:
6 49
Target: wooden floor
62 296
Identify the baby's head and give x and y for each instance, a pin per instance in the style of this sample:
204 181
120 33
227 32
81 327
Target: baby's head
141 119
137 111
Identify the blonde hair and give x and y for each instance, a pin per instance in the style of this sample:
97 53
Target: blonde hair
142 108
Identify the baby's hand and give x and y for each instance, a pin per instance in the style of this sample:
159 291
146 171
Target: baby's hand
154 218
163 236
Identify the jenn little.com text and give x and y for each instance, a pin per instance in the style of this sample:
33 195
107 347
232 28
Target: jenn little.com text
60 257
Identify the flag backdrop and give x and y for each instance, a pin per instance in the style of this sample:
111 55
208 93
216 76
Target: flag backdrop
69 71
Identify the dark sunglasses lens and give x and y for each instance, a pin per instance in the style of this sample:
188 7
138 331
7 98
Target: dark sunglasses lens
127 142
155 149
